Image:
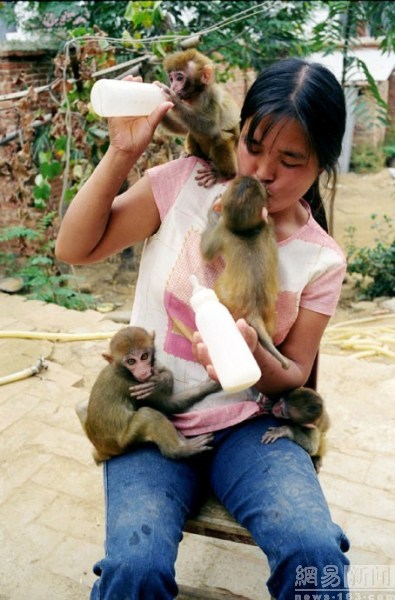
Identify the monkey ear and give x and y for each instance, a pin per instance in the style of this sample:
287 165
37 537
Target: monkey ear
208 75
265 215
217 205
108 357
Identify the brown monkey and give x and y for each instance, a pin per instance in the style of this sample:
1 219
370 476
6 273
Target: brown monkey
309 422
244 237
127 396
203 110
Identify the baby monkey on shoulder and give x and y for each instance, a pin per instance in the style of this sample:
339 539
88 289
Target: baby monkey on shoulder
204 111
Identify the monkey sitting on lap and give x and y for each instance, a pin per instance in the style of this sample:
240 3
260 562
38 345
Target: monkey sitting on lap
129 396
305 409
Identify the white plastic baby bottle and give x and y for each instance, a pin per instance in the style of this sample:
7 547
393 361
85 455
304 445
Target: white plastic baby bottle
118 98
231 357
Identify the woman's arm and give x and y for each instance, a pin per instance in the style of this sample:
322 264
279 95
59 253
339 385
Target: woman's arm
99 223
300 347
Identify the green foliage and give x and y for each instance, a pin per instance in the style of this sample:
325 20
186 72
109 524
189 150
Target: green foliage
375 266
18 232
251 35
58 18
366 158
382 106
42 280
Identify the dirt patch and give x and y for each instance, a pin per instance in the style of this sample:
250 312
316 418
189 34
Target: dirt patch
358 198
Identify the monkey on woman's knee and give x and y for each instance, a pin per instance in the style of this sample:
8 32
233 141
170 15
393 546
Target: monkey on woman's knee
308 422
129 397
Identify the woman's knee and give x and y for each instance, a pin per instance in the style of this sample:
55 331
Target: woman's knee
314 560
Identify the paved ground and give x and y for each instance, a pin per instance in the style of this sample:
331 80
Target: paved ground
51 509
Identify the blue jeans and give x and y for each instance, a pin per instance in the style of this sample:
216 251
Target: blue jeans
271 489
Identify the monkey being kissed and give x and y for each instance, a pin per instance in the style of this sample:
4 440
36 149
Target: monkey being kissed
129 396
203 111
309 422
244 237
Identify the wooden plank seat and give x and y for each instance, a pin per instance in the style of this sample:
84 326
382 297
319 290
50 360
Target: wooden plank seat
214 521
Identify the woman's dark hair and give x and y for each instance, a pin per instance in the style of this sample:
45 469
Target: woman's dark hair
309 93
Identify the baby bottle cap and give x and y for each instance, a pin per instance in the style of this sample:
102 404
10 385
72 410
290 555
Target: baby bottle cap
200 294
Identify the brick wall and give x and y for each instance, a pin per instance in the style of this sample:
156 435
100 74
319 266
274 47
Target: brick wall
33 67
239 83
369 129
391 99
19 69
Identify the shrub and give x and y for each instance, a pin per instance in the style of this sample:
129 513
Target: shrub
375 265
38 269
365 158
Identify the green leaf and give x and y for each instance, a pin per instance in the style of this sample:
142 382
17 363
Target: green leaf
50 169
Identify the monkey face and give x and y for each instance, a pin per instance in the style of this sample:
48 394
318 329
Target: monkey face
177 82
305 410
280 409
139 363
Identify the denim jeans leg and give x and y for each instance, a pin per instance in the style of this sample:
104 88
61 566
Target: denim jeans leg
147 500
273 490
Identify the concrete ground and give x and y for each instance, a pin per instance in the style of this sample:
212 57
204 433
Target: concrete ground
51 506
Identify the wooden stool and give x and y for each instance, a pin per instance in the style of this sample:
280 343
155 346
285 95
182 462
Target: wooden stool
214 521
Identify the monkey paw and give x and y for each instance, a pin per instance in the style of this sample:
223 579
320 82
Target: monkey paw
170 95
207 176
199 443
140 391
275 433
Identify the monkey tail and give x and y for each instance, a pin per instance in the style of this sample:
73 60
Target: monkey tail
265 340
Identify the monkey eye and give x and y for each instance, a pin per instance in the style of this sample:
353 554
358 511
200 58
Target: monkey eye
145 356
177 76
130 361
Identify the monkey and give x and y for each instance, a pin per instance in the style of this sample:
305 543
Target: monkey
243 236
131 398
203 111
309 422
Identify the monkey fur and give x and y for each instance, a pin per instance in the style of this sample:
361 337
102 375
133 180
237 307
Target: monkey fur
129 397
309 422
244 237
203 110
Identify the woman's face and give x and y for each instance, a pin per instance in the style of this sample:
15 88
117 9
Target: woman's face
283 162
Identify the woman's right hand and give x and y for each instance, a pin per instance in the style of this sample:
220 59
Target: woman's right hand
133 134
